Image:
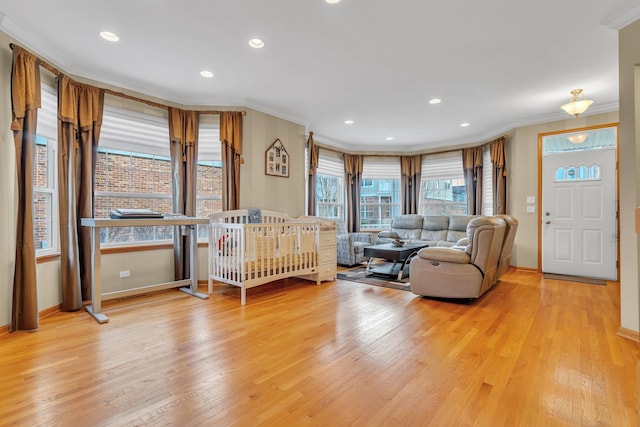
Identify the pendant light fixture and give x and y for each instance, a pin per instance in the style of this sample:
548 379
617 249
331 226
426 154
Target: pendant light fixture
578 103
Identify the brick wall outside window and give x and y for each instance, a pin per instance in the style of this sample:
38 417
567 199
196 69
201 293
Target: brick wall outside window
139 181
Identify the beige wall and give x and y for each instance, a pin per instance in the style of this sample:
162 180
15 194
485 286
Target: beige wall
265 191
629 58
522 181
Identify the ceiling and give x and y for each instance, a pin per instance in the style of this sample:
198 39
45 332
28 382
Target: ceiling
496 64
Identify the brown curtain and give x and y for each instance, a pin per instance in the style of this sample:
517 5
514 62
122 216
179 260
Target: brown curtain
313 151
183 137
231 138
25 101
79 121
499 176
353 173
410 167
472 166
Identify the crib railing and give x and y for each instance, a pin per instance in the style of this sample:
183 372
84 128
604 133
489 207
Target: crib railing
248 255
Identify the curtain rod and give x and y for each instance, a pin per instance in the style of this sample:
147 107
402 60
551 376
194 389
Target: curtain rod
58 73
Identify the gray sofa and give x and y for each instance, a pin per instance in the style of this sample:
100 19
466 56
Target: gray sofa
436 230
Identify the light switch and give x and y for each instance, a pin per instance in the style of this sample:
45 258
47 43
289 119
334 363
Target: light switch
531 209
531 200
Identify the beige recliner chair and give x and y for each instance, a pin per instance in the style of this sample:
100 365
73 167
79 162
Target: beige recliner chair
465 272
507 246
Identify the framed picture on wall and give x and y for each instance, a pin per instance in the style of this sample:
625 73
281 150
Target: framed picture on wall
276 160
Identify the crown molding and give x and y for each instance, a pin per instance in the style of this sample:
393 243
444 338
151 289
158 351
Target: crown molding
28 39
623 16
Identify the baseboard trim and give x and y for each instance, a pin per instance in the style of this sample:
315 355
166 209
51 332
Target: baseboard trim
629 334
49 311
41 315
526 269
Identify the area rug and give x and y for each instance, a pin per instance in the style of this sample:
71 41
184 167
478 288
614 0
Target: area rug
359 274
566 278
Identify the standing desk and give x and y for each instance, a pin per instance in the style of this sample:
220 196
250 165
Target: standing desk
189 286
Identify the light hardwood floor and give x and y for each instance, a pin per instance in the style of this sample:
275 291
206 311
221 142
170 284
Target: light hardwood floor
531 352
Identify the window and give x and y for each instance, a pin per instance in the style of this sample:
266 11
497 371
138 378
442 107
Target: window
133 170
379 192
45 193
209 171
330 186
487 182
442 188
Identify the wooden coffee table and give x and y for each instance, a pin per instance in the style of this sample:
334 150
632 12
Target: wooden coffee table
400 255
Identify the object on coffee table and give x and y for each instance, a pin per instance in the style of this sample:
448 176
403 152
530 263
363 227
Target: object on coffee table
397 242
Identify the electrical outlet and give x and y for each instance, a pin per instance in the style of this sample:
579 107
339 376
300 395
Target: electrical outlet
125 273
531 209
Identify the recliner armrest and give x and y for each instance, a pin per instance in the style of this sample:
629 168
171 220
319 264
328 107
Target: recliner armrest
444 255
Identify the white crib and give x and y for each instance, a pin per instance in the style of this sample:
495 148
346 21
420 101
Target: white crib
247 254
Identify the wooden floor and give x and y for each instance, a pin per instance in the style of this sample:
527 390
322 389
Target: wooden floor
531 352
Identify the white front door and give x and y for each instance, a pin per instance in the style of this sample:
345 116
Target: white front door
579 213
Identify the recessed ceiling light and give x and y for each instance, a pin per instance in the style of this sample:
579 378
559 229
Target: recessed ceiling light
332 1
256 43
435 101
109 36
348 122
464 125
389 138
206 73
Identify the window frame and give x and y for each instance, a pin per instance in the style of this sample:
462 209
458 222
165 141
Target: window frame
152 144
381 179
443 167
331 166
47 129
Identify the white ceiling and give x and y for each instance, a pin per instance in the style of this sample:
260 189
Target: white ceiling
496 64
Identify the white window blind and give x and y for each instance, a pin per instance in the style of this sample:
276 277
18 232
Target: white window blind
209 146
330 163
131 131
47 124
442 166
375 167
487 182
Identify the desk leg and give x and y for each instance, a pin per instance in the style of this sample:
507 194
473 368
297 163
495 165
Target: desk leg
95 309
193 264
